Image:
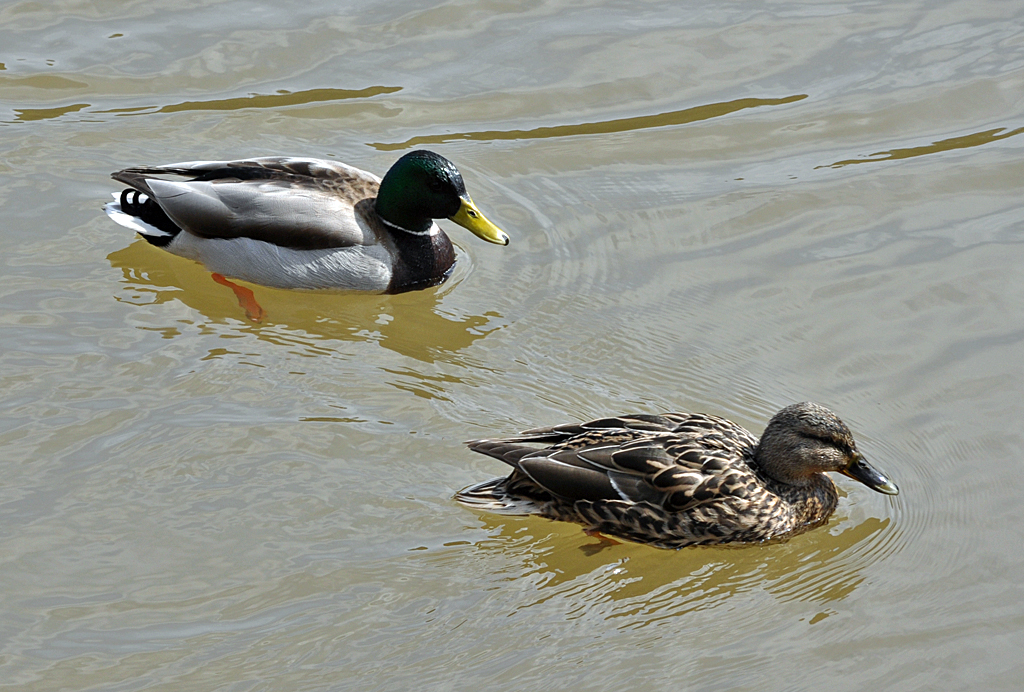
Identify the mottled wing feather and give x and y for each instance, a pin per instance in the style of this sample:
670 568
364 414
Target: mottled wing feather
676 461
635 489
639 421
569 481
503 450
645 457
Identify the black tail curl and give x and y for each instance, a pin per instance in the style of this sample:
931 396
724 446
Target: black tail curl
149 212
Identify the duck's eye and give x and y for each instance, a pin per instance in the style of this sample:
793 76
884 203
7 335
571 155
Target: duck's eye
822 439
436 186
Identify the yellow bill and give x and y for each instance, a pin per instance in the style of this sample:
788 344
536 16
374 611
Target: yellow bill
469 217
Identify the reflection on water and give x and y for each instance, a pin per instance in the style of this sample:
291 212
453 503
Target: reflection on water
644 122
274 101
411 324
195 501
962 142
821 566
30 114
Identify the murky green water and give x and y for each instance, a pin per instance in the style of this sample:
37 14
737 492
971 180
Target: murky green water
720 207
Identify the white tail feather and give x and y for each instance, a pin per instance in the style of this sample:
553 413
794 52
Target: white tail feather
136 224
490 496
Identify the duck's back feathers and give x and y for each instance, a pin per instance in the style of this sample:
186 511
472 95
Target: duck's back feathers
665 422
302 204
674 460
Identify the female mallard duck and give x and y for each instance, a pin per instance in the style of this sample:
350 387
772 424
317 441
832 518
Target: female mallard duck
306 223
679 479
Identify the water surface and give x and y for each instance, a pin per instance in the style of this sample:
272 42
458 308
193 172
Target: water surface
722 208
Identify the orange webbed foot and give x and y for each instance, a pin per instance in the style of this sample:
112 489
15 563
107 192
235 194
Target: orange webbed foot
594 533
246 298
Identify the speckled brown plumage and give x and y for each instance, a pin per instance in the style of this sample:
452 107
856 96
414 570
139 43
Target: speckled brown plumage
679 479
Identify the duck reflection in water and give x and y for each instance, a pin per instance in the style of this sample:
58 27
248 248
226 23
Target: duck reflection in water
414 324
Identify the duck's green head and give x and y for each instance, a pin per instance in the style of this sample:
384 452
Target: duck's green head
805 439
423 186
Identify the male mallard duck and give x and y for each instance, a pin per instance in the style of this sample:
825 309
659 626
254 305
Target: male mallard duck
306 223
679 479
